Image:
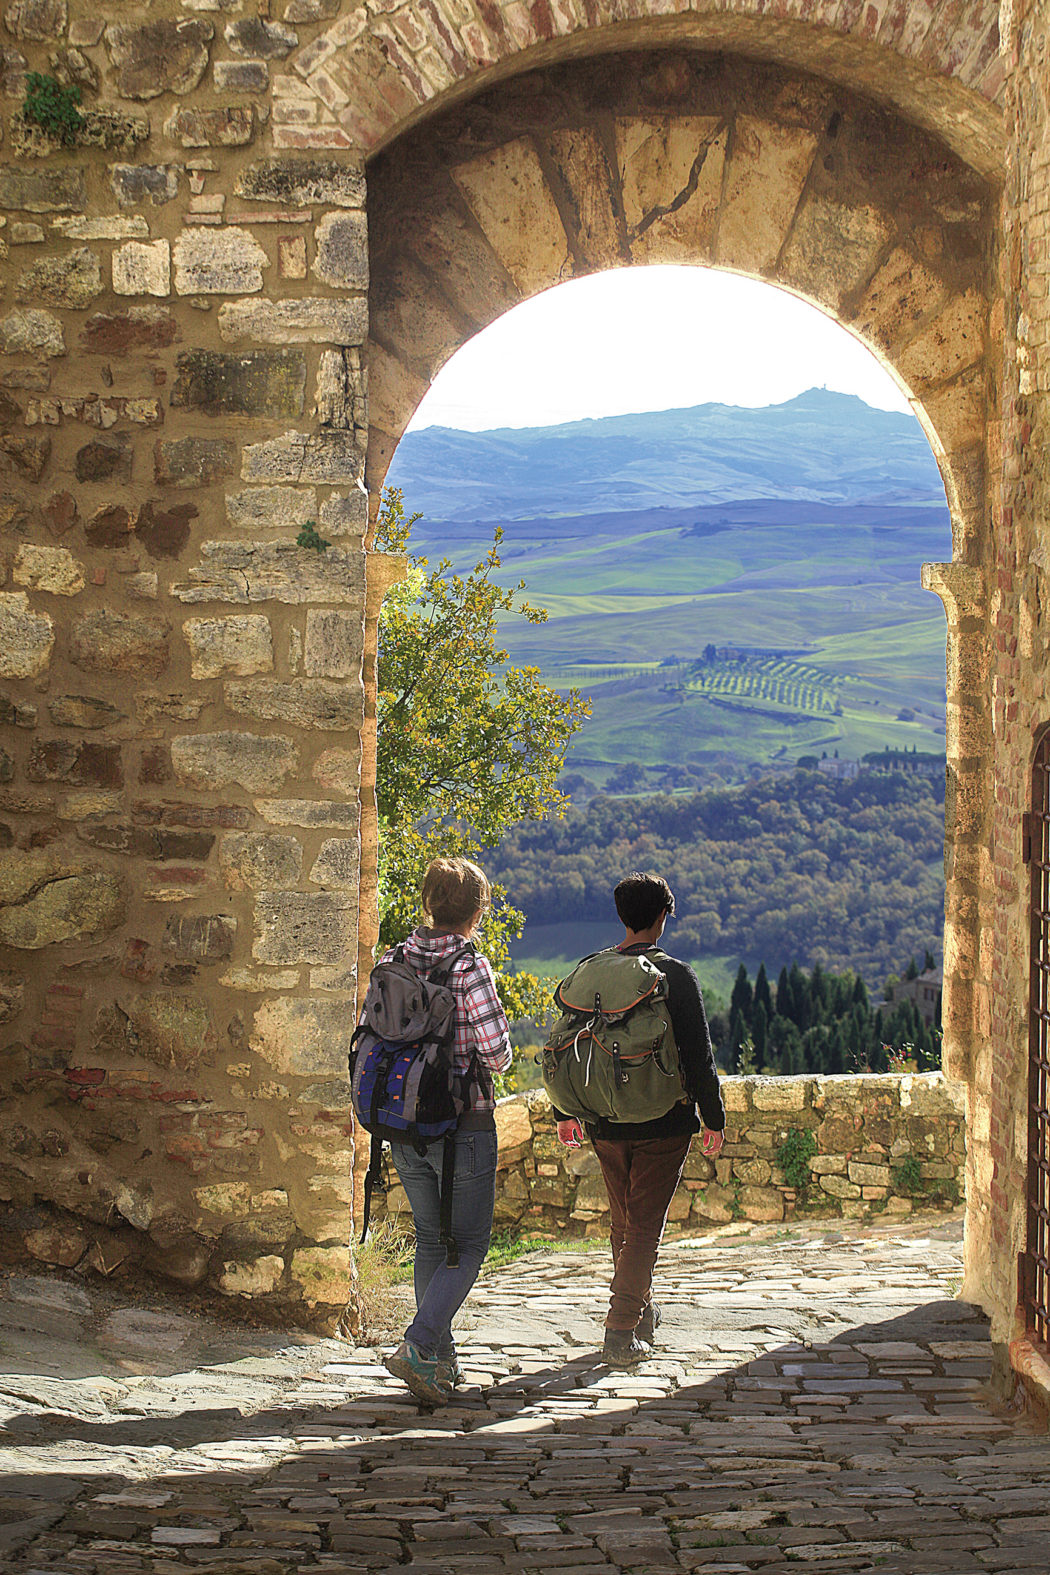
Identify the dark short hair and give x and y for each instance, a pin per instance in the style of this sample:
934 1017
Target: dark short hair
641 898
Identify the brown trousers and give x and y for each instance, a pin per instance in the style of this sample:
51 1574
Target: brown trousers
640 1178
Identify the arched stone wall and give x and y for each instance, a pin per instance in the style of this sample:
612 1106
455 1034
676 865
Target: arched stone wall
374 73
684 158
183 385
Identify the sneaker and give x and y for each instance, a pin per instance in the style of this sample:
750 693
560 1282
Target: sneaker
649 1322
421 1373
622 1348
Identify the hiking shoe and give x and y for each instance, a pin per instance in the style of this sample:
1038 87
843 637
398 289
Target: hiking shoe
622 1348
450 1372
422 1374
649 1322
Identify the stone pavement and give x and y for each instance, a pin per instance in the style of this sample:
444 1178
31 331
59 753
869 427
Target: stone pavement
818 1399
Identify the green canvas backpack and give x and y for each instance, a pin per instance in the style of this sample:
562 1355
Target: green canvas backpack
612 1052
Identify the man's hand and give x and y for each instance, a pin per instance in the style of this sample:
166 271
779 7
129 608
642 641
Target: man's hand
570 1132
710 1142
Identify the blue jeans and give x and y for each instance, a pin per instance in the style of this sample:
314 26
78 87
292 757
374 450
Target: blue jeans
441 1291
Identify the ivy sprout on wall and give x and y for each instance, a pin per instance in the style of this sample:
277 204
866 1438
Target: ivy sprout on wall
53 108
309 536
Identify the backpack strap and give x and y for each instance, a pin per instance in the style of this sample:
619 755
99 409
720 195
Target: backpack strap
372 1175
442 970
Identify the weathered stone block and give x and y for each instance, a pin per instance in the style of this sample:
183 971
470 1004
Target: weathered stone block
241 76
164 532
334 644
779 1093
166 1029
323 1273
136 184
337 770
56 190
311 320
200 937
257 39
868 1175
313 703
51 569
212 760
29 332
258 1278
218 261
16 713
78 762
26 457
340 393
271 508
344 514
142 268
233 571
139 328
26 638
297 927
39 20
308 812
299 183
159 57
331 457
66 908
311 10
109 526
105 459
342 250
261 383
839 1186
241 644
71 281
258 860
230 127
114 642
303 1038
338 864
193 462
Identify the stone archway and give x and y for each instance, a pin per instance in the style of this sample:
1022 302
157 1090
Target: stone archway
685 158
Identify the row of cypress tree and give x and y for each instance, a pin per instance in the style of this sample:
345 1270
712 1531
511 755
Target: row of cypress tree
821 1022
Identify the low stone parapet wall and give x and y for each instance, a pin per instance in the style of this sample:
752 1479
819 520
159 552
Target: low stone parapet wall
857 1147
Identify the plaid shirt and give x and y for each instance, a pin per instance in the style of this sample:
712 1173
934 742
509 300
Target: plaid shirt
480 1023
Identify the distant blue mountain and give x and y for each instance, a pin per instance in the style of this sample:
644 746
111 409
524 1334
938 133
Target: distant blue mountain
821 447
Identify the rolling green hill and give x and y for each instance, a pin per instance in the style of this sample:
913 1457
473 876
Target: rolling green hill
815 569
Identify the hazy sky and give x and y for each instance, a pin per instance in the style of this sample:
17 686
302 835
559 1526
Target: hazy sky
650 338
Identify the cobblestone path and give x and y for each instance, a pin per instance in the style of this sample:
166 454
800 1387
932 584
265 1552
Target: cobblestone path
818 1400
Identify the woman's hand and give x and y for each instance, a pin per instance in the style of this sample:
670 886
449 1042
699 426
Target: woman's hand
570 1132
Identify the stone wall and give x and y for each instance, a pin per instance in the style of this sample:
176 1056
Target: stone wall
182 390
871 1147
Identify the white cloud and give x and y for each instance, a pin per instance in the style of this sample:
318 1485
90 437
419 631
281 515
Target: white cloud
655 338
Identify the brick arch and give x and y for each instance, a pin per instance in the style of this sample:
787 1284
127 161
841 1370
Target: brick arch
688 159
372 76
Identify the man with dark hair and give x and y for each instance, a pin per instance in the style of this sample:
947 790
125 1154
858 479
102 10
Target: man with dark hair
642 1162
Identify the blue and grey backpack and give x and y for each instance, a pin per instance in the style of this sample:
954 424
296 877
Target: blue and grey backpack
403 1083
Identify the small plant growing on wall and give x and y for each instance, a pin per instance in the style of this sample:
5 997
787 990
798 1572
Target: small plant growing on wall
793 1157
309 537
53 108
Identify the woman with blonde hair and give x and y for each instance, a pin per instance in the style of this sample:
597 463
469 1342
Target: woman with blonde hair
454 895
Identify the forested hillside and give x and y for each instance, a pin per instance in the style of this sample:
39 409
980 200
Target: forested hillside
795 868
